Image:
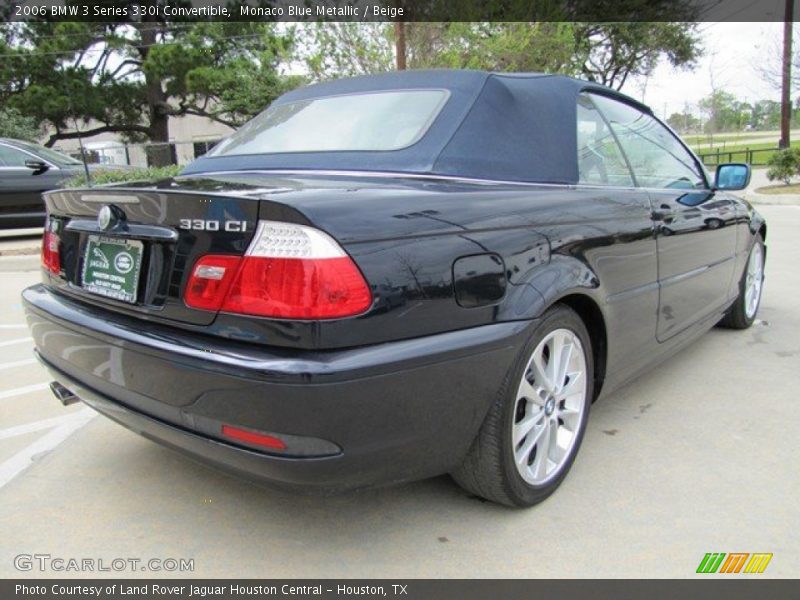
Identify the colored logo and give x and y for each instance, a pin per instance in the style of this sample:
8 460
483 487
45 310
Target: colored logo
123 263
734 562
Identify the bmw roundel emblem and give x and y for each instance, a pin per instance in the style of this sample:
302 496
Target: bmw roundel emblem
106 219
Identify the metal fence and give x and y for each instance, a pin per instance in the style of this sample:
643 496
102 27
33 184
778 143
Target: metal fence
140 155
755 157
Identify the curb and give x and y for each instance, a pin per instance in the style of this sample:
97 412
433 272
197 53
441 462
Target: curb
774 200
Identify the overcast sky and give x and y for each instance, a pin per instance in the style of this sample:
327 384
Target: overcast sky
731 50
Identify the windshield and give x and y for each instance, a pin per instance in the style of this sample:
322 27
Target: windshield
60 160
370 121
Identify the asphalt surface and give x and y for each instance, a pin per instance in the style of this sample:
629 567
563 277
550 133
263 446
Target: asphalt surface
699 455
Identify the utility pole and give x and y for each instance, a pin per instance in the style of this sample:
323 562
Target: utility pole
400 44
786 78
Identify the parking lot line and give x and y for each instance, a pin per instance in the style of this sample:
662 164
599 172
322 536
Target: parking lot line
17 363
36 426
17 341
24 390
24 458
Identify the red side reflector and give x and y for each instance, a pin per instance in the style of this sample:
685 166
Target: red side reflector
210 280
51 257
298 288
251 437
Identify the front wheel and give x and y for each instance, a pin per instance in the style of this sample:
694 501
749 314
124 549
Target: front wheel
742 313
532 433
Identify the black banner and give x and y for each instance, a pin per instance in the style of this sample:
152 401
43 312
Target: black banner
395 10
408 589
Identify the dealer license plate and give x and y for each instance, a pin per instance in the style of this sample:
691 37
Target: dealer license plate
111 267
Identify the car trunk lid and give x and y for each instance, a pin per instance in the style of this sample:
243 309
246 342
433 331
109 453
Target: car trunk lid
131 250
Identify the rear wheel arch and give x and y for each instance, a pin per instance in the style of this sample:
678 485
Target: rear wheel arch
589 312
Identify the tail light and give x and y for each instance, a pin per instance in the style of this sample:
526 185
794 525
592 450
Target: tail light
51 256
210 280
289 271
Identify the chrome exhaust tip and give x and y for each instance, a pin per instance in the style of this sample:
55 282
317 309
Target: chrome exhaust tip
63 394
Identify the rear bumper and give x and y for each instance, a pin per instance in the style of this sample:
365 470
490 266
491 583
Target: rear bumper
393 412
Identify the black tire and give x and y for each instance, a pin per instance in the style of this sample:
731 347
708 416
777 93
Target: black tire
489 469
737 317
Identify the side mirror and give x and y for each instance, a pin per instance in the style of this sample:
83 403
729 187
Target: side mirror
732 177
36 165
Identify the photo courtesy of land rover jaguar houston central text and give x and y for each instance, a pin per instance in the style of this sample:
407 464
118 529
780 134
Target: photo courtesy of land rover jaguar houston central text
393 277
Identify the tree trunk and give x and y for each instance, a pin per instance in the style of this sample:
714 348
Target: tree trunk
159 153
786 79
400 44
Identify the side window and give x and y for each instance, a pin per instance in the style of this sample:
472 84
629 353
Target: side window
600 161
10 157
657 158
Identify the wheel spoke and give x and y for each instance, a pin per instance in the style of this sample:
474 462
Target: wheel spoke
571 418
566 356
533 439
575 384
540 371
554 366
526 390
524 427
539 466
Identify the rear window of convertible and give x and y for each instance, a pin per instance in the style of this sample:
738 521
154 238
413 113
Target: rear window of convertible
352 122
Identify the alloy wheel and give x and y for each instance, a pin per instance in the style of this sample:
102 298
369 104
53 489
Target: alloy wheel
550 407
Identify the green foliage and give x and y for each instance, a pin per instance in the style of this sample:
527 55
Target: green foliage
684 121
724 112
130 78
491 46
346 49
110 176
13 124
784 165
766 114
610 53
604 52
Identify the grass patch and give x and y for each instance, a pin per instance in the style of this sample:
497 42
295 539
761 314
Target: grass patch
777 190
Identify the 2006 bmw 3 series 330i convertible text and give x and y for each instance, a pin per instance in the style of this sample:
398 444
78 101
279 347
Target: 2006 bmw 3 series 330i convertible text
392 277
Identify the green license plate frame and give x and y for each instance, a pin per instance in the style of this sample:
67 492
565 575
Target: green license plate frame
111 267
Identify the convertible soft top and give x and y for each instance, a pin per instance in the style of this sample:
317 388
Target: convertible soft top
500 126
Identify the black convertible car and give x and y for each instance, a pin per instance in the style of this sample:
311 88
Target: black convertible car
388 278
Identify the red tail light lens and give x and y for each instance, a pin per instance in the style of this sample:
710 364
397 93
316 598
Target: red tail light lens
296 288
288 272
211 278
51 256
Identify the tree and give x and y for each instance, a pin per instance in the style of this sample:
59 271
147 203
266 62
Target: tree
608 53
132 77
684 122
13 124
724 112
346 49
492 46
766 114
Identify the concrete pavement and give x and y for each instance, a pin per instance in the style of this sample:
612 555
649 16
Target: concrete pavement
700 455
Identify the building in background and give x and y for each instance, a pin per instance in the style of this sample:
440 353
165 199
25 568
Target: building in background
190 137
